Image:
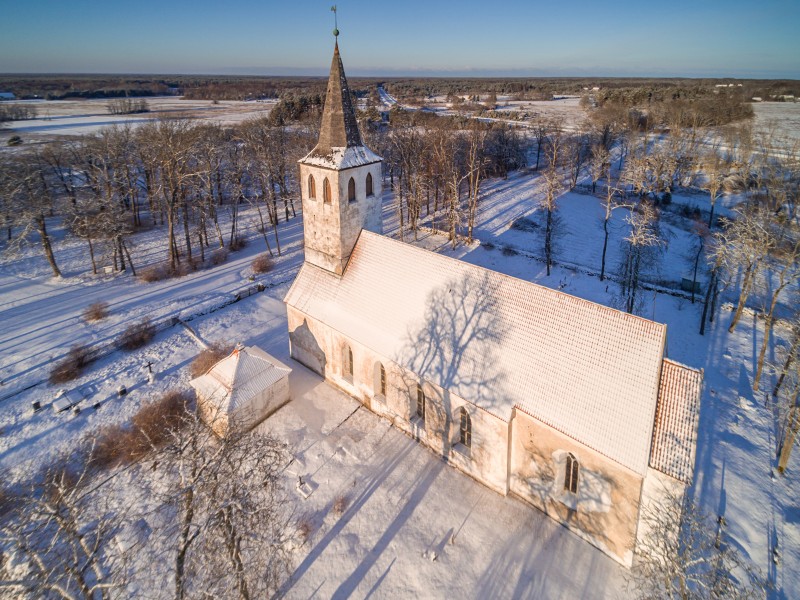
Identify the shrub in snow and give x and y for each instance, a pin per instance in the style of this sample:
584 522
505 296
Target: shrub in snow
262 264
14 140
164 271
150 429
340 505
237 244
96 311
137 335
305 528
218 256
525 224
71 366
155 273
209 357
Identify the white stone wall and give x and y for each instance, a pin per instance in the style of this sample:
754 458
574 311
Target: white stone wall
605 509
486 458
658 490
330 230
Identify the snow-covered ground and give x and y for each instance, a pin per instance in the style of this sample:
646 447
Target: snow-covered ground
404 504
56 118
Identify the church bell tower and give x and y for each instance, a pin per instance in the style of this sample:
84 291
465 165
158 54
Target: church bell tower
340 180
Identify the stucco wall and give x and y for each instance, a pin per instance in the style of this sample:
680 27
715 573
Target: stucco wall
485 459
605 508
330 229
659 490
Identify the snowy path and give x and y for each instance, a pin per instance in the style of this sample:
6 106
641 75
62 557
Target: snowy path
43 318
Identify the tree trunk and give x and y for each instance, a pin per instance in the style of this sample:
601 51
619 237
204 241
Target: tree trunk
748 279
48 248
712 282
186 233
128 254
790 434
605 246
548 235
696 264
91 256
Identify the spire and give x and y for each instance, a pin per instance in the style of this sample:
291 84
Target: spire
339 126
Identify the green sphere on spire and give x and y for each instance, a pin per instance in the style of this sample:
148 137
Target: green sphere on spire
336 32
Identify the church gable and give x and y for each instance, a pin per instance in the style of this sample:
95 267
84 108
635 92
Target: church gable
586 370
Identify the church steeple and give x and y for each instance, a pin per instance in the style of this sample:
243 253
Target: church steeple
341 181
339 127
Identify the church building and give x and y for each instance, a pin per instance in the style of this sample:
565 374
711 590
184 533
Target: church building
569 405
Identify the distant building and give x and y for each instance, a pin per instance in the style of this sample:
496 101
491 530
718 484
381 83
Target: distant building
7 96
567 404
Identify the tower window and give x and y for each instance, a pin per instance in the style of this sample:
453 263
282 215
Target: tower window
466 428
326 191
420 402
369 184
381 380
312 187
571 474
351 190
347 359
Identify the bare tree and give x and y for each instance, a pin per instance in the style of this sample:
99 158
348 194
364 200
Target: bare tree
61 533
714 170
599 162
230 531
638 252
28 202
610 204
783 265
787 391
554 184
684 557
742 246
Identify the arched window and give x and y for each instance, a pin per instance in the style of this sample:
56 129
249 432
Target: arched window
380 380
326 191
571 474
420 402
347 362
351 190
312 187
466 428
369 184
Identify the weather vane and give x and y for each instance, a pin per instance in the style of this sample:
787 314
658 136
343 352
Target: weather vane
335 22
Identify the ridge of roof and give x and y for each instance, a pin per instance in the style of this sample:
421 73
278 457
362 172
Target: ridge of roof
544 288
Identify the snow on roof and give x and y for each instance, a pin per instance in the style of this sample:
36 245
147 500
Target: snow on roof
341 157
677 415
587 370
239 376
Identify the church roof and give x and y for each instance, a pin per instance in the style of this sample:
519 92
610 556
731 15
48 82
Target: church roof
339 145
587 370
677 416
238 377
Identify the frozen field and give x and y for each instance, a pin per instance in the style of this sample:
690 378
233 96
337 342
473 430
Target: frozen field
58 118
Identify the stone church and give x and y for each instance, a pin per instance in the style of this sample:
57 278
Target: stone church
569 405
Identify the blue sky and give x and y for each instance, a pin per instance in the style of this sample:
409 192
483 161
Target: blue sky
697 38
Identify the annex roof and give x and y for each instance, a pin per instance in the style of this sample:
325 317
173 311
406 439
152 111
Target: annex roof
240 376
587 370
677 417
